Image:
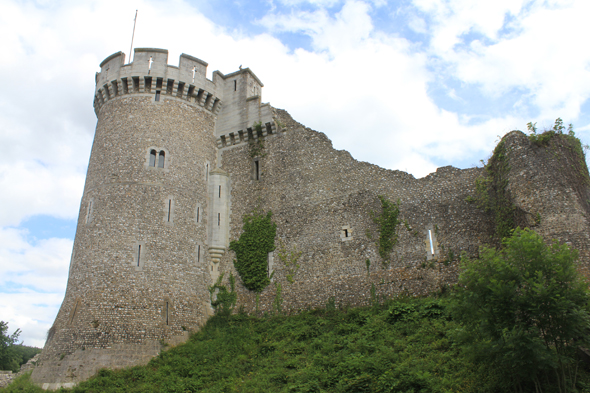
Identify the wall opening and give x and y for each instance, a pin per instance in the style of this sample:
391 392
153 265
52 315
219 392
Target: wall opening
198 213
191 90
220 191
147 84
169 86
218 219
135 84
207 172
125 86
157 98
346 233
180 89
167 313
138 254
235 85
159 83
257 169
153 154
199 253
89 211
169 208
161 159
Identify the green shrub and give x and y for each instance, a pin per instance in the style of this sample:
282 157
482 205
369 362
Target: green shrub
525 311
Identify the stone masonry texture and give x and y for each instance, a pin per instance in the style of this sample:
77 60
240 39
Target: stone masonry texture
141 267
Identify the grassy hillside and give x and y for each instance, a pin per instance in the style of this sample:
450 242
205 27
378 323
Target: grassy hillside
404 345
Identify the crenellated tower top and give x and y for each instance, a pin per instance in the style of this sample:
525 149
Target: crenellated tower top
234 98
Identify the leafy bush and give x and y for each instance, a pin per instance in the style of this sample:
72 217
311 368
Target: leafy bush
525 312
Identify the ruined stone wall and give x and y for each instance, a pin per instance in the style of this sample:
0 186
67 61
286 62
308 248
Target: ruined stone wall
123 300
315 192
550 184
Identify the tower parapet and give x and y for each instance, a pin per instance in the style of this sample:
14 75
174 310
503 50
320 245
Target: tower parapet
235 98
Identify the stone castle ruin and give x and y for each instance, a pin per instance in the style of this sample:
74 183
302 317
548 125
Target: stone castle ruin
178 160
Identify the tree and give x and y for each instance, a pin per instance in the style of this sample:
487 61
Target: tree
524 310
9 355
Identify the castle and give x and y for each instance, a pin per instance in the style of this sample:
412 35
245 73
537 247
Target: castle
172 173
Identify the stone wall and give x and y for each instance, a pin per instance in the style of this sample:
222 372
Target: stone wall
550 183
316 192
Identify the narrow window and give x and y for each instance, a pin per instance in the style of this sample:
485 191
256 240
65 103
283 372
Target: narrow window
161 159
169 208
207 173
257 164
346 233
220 191
430 239
218 219
167 313
198 211
89 212
138 254
199 253
157 95
235 85
153 158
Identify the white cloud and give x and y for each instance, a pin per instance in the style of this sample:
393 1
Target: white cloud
32 282
543 56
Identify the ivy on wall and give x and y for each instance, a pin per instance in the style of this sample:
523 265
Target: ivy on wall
256 241
289 259
225 300
388 221
491 193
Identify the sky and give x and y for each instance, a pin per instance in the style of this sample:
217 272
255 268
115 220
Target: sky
410 85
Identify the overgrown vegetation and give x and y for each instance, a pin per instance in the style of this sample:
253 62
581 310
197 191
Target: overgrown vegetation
568 140
256 145
388 221
492 195
289 259
405 345
13 354
513 323
222 300
256 241
525 312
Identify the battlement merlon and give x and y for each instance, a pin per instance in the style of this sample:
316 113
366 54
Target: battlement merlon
153 62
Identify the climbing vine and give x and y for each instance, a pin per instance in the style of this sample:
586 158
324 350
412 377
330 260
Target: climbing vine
492 195
256 241
289 259
388 221
225 301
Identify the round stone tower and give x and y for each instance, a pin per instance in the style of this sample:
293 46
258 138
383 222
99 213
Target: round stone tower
138 275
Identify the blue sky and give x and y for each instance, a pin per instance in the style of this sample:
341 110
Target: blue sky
409 85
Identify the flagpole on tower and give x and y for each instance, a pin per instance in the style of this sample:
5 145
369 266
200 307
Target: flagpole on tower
132 36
